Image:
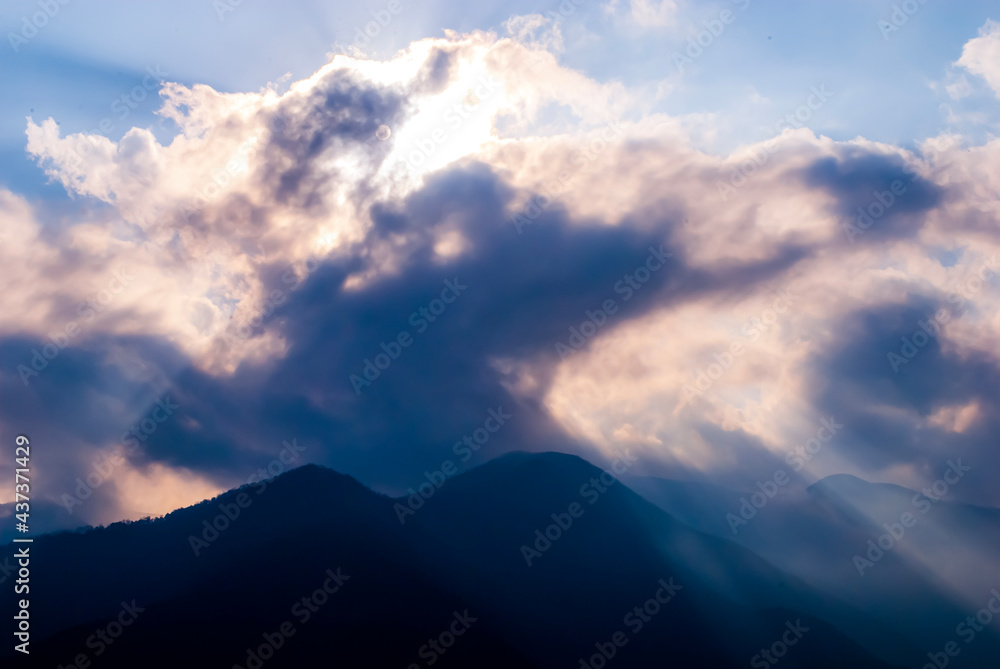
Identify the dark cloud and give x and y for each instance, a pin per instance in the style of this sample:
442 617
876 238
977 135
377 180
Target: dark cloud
338 116
860 179
524 292
882 408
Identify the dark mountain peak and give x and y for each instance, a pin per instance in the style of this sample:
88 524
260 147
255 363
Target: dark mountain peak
520 472
313 475
307 481
538 458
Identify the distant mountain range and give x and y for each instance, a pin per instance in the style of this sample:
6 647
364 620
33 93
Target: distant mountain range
530 560
917 564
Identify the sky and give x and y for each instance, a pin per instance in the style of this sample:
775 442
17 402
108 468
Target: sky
399 234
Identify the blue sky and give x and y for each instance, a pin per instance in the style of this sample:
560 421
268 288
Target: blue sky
91 53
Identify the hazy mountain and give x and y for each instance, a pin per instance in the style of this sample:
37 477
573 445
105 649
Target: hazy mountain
936 572
457 563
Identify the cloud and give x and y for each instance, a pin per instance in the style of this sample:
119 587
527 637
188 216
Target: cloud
281 243
648 13
536 30
981 55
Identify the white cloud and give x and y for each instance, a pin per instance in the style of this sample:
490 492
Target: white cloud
981 55
646 13
199 220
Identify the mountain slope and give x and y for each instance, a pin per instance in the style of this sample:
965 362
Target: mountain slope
936 573
457 562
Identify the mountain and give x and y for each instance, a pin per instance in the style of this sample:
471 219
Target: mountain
936 572
464 581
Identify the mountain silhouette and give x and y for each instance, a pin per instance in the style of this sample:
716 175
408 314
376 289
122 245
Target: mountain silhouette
497 568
